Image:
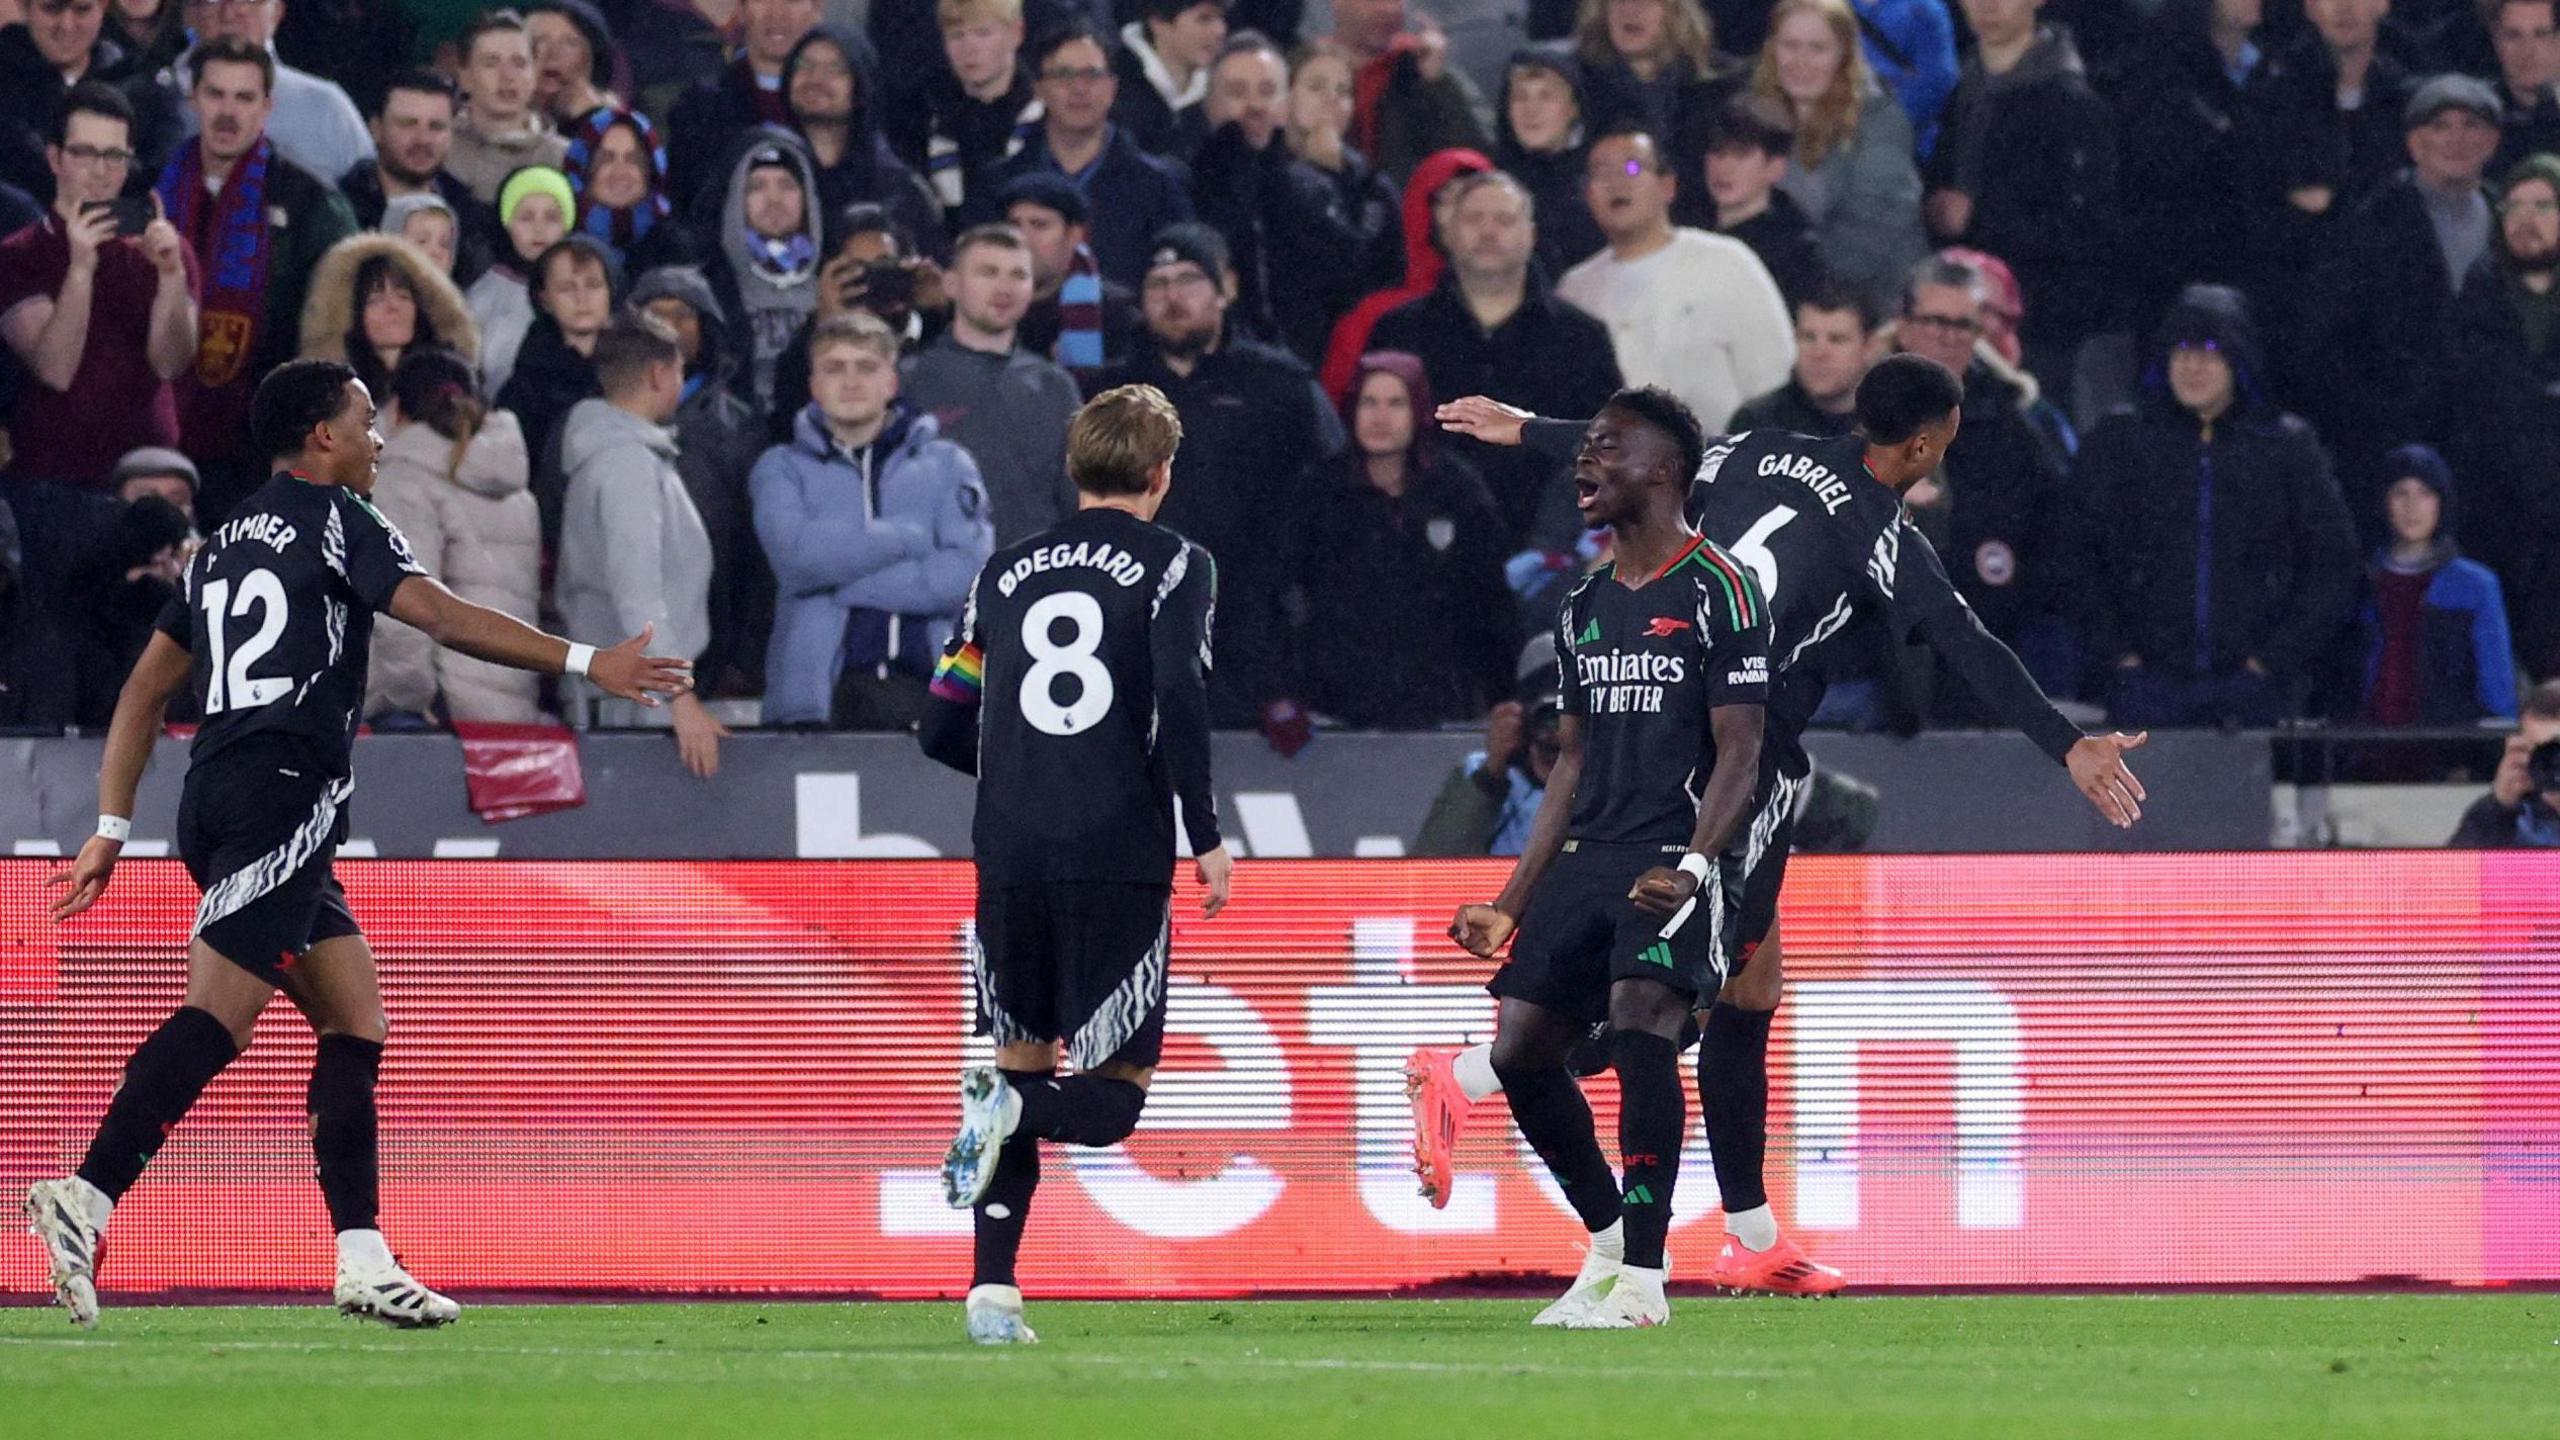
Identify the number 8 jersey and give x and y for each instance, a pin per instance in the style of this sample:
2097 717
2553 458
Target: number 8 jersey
1084 652
278 609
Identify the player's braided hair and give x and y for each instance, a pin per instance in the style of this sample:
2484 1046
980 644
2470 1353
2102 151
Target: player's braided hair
1666 412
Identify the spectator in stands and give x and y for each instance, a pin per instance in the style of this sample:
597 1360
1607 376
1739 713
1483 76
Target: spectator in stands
1076 318
413 137
2506 413
499 131
1492 327
58 46
97 572
977 112
2527 36
1851 171
2522 807
875 526
1910 48
1835 343
2437 648
1747 150
2186 117
1422 212
573 60
534 211
704 125
1131 194
573 296
831 81
313 124
1003 404
103 323
357 45
258 224
376 297
617 167
718 437
1409 624
1998 509
157 470
873 271
1487 804
2398 267
2026 169
427 222
1541 140
2224 558
1651 65
453 478
151 33
670 46
1320 107
1252 425
1691 311
769 242
1163 65
1408 102
633 554
1295 248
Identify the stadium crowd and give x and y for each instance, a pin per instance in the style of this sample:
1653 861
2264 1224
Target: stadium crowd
761 321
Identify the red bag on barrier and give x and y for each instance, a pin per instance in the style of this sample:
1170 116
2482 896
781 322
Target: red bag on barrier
520 770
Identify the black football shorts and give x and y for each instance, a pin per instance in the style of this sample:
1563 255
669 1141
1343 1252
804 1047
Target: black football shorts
1079 961
1581 933
258 826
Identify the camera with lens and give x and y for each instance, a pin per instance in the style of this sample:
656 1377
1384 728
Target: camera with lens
2542 767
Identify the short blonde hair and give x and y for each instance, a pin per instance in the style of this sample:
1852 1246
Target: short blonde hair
1119 438
858 328
955 13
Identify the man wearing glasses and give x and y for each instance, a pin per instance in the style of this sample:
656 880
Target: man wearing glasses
62 44
1998 509
1130 194
314 125
102 312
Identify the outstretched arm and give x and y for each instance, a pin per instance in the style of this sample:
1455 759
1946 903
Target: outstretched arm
140 709
482 633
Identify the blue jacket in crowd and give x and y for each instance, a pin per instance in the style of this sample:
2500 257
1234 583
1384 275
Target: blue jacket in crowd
2466 657
1911 45
872 554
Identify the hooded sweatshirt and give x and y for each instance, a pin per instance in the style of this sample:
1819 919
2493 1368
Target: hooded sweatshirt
1423 264
869 171
632 549
768 287
1567 235
2437 647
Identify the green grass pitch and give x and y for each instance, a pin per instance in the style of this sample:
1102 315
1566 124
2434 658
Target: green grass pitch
2409 1367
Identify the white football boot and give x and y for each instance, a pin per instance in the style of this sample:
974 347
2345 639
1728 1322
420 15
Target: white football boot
1601 1262
995 1316
372 1286
70 1217
1636 1302
989 1111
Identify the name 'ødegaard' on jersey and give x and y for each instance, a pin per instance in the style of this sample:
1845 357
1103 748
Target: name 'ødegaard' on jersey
278 608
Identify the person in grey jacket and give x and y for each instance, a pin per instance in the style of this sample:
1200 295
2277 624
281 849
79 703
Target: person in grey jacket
454 477
632 547
1004 405
876 526
1852 172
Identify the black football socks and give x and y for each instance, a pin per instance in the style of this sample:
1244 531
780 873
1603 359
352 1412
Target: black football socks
1653 1117
161 1082
1733 1093
1007 1204
345 1134
1079 1110
1556 1121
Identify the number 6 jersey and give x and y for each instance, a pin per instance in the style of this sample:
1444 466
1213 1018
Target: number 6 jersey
278 612
1083 658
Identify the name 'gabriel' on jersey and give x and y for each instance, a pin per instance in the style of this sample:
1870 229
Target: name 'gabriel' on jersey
277 610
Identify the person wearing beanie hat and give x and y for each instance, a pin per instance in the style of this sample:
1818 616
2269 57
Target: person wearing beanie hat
535 206
427 221
574 58
618 168
1077 318
2404 254
769 243
157 470
718 437
1253 424
2224 561
2437 647
2505 416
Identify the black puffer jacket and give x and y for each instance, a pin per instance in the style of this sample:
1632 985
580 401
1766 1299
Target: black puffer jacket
2280 565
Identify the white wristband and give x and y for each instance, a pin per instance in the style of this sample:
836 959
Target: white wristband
1695 866
580 657
115 827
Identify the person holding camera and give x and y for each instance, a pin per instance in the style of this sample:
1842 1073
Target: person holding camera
1490 798
98 299
2522 807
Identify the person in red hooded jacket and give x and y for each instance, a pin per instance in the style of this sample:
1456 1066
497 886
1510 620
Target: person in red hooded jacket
1423 263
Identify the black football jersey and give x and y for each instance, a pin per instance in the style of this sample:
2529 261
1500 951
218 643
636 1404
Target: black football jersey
278 611
1643 666
1086 651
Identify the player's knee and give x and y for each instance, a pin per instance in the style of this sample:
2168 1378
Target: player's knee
1653 1009
1113 1114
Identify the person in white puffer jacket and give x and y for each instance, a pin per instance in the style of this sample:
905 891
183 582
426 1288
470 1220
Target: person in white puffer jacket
454 479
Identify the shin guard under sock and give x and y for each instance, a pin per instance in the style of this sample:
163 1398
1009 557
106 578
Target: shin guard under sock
1733 1095
345 1135
161 1082
1556 1121
1653 1118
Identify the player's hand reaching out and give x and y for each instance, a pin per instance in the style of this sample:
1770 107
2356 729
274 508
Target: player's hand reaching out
87 876
1482 930
2098 768
627 673
1215 872
1483 419
1661 891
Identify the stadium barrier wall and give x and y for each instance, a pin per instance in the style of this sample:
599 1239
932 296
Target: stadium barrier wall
699 1077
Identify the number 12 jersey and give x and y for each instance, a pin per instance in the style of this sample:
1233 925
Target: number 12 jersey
1085 651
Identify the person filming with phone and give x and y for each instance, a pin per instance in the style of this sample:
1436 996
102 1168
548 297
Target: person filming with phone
98 300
